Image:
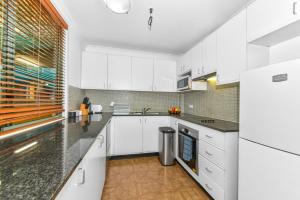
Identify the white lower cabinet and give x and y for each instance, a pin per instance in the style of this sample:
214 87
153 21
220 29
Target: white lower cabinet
174 125
127 135
151 132
87 181
218 163
133 135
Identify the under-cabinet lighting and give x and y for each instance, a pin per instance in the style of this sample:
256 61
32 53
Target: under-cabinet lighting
25 147
27 62
212 79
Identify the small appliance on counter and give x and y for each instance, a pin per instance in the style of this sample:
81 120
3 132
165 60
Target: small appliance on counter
74 113
96 109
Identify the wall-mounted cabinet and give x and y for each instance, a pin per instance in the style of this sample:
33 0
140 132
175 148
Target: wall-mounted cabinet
142 74
94 70
164 75
113 71
232 49
119 72
209 46
271 22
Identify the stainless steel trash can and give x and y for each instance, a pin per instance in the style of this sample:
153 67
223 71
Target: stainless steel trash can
166 146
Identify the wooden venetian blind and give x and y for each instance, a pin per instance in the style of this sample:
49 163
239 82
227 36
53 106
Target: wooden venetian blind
32 64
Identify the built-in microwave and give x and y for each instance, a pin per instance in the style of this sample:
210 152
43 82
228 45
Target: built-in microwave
184 83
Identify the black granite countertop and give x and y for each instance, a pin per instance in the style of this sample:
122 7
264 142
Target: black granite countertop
216 124
41 171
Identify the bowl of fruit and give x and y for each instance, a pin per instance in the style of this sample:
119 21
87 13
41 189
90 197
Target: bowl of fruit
174 110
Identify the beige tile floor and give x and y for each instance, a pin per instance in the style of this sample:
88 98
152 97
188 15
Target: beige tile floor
145 179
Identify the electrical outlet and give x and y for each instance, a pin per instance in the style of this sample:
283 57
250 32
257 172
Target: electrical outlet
191 106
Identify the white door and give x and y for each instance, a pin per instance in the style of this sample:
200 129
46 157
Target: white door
267 174
119 72
174 125
266 16
127 135
142 74
232 49
151 132
269 106
94 70
164 75
209 54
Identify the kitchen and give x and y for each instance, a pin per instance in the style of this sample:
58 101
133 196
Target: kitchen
125 99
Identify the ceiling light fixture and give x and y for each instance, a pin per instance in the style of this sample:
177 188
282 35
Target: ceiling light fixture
118 6
150 20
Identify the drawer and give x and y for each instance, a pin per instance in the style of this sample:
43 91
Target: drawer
212 171
211 187
213 137
213 154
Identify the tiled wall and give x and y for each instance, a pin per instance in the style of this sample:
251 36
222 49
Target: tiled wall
75 98
157 101
219 103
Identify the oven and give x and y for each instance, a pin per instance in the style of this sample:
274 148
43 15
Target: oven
188 143
184 83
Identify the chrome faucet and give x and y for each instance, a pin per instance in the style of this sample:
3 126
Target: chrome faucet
145 110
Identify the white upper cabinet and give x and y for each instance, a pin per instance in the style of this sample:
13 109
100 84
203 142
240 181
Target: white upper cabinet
209 46
267 16
197 60
232 49
164 75
142 74
184 63
94 70
119 72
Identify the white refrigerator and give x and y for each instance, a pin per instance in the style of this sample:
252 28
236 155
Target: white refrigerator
269 144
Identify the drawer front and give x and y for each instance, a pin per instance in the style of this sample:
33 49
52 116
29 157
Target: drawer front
212 153
213 137
212 171
211 187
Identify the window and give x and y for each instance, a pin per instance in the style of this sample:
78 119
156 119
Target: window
32 44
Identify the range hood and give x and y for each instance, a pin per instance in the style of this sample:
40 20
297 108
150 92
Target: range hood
205 77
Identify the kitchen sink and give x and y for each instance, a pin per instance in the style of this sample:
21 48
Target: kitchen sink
136 113
152 113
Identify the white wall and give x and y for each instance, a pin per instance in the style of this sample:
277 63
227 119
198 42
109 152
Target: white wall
73 54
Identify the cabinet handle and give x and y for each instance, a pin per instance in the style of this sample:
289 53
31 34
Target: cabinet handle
80 176
294 8
208 136
208 187
145 120
140 121
101 139
208 170
208 153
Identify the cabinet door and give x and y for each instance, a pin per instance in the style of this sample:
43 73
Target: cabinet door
232 49
174 125
151 132
142 74
165 75
87 180
266 16
119 72
209 54
94 70
197 60
128 135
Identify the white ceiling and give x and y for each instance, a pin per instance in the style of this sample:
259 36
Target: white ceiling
177 24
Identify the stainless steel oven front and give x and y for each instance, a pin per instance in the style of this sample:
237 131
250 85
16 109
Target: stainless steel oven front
188 143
